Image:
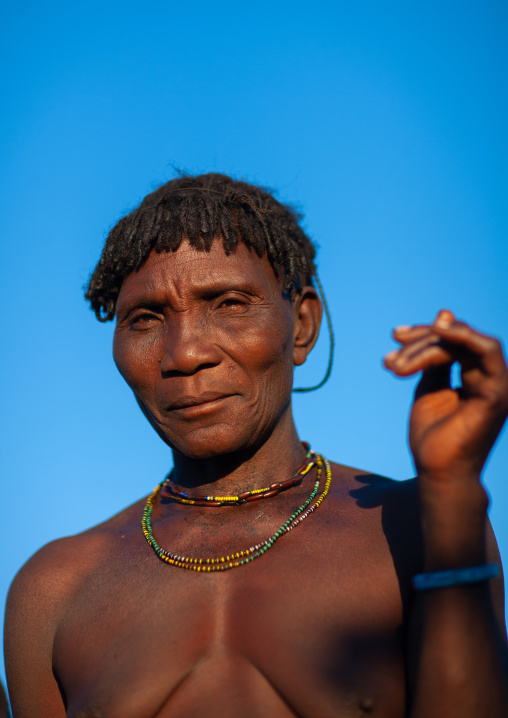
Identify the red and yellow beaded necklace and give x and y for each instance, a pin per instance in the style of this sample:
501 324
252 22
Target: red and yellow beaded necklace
169 490
239 558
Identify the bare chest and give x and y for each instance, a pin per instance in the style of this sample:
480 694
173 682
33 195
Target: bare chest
312 628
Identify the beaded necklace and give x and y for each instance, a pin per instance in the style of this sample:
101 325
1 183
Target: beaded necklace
169 491
240 558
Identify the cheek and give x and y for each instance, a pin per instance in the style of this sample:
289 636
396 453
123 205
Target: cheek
134 362
263 347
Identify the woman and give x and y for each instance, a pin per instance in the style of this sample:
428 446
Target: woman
258 578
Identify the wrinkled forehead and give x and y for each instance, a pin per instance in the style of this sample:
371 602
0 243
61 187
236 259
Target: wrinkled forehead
189 269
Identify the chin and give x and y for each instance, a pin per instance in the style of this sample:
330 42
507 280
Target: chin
214 441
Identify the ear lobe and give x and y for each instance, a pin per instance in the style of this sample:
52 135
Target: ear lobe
308 313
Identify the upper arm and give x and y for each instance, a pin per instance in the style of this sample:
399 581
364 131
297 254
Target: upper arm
33 607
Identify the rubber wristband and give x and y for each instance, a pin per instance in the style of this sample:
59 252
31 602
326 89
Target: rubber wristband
455 577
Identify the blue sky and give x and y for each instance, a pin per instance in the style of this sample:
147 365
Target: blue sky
384 122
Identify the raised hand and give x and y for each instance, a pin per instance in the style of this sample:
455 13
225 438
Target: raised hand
452 430
458 649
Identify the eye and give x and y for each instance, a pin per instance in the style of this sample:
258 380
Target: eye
139 321
232 302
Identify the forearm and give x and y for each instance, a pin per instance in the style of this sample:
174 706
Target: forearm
460 659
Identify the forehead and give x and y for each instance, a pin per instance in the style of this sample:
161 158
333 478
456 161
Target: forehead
192 270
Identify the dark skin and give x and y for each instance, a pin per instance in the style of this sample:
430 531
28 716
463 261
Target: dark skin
325 623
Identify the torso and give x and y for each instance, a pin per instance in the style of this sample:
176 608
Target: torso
313 628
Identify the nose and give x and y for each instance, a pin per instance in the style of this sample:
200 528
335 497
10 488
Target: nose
188 345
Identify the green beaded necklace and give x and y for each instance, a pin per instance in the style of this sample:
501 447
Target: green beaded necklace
240 558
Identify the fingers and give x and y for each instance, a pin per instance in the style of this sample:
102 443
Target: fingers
405 334
433 348
487 349
421 350
425 354
443 342
446 327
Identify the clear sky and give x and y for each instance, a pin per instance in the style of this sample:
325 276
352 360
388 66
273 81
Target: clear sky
384 122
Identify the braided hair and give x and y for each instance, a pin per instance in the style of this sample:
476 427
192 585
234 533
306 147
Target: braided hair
201 209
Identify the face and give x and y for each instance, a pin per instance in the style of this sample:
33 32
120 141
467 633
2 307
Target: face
207 342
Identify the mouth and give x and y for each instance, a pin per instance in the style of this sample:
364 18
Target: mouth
190 405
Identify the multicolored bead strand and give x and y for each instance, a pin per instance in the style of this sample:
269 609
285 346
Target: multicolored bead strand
239 558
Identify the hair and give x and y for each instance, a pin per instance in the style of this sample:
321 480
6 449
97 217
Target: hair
201 209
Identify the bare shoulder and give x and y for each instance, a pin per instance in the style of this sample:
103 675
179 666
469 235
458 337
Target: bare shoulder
55 569
45 581
387 511
367 490
37 601
379 514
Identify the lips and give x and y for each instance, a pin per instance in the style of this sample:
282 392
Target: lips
186 402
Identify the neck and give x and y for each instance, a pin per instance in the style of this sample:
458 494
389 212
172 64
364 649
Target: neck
276 459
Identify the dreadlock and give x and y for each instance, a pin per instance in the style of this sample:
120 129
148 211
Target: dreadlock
200 209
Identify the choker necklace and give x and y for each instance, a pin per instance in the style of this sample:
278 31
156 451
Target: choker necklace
239 558
169 490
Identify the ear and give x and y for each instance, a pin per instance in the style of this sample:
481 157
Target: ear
308 313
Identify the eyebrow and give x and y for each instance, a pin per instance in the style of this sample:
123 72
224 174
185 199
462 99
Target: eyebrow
208 290
229 285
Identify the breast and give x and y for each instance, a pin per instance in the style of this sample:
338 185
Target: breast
298 632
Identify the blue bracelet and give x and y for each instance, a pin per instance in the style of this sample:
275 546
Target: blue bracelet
455 577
